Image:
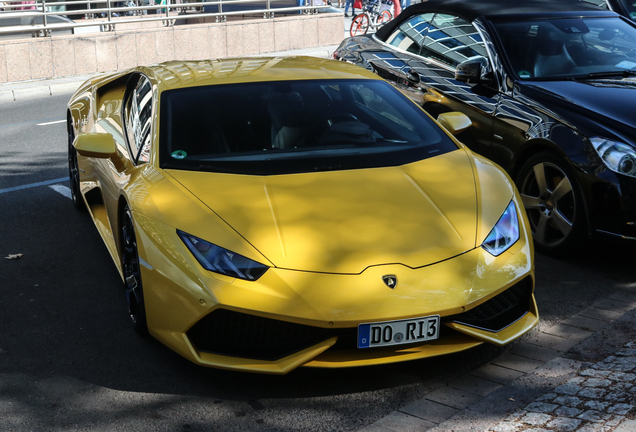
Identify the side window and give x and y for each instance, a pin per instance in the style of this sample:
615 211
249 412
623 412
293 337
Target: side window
367 98
138 119
411 34
451 40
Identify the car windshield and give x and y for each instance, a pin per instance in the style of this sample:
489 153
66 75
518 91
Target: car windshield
294 126
569 47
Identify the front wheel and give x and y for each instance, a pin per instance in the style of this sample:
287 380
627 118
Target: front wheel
553 202
384 18
132 273
359 25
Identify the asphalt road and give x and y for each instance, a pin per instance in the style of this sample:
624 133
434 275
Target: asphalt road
69 359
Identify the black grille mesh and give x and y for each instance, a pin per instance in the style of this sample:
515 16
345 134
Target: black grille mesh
500 311
240 335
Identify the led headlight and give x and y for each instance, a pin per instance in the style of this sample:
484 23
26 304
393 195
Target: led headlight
223 261
618 157
505 233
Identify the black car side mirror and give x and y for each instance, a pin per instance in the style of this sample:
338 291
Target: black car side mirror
475 70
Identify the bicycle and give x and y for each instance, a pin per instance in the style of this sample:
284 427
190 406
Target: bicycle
371 16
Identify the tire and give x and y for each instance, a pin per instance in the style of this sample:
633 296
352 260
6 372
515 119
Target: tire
132 273
359 25
553 203
384 18
73 172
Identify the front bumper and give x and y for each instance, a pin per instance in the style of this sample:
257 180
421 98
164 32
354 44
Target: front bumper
288 319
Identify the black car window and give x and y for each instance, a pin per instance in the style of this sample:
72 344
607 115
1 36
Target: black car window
138 117
294 126
569 47
451 40
410 35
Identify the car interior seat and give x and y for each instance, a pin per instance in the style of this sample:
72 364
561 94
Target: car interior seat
552 57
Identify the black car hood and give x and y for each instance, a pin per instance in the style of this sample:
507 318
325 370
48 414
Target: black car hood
592 106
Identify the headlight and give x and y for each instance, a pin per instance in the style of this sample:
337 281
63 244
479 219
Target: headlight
505 233
223 261
618 157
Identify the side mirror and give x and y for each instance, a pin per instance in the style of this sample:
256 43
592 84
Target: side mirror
475 70
100 146
412 76
454 122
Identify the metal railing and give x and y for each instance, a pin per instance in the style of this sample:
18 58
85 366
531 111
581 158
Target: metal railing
42 18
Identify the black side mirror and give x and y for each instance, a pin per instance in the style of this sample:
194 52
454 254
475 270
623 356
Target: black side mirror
475 70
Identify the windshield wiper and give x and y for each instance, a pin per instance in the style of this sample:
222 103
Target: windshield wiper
610 74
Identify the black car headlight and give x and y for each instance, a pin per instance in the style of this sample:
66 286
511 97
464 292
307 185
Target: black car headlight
505 233
223 261
618 157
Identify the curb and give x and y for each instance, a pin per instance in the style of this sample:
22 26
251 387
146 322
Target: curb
484 397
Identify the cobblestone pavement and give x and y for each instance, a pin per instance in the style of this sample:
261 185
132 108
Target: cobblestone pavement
598 399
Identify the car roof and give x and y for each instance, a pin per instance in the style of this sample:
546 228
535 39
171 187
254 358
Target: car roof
181 74
472 9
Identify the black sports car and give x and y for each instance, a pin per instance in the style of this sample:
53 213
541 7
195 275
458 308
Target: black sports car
550 88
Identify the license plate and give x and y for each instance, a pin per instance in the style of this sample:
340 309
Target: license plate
398 332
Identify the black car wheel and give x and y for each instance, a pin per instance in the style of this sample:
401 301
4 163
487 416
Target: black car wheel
73 171
132 274
552 201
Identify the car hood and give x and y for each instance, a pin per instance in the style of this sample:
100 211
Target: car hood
608 103
346 221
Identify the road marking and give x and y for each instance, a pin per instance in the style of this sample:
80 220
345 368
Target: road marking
30 122
64 190
32 185
51 122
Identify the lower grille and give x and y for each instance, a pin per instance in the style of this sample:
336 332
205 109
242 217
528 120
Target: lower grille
500 311
240 335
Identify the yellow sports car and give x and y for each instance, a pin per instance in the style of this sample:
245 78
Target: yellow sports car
271 213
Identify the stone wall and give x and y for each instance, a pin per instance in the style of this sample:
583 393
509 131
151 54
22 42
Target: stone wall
58 56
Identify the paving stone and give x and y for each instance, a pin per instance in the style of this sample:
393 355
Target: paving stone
567 412
596 382
585 323
569 332
600 314
452 397
624 297
496 373
591 415
569 401
622 376
627 352
612 305
594 373
515 415
564 424
399 422
622 386
535 352
552 342
568 388
617 396
541 407
507 427
517 362
535 419
615 421
626 426
475 385
546 397
596 405
620 409
430 411
592 393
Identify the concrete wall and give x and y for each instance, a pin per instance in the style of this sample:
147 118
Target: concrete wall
58 56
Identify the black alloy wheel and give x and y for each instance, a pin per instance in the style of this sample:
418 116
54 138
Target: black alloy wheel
73 171
132 274
552 201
